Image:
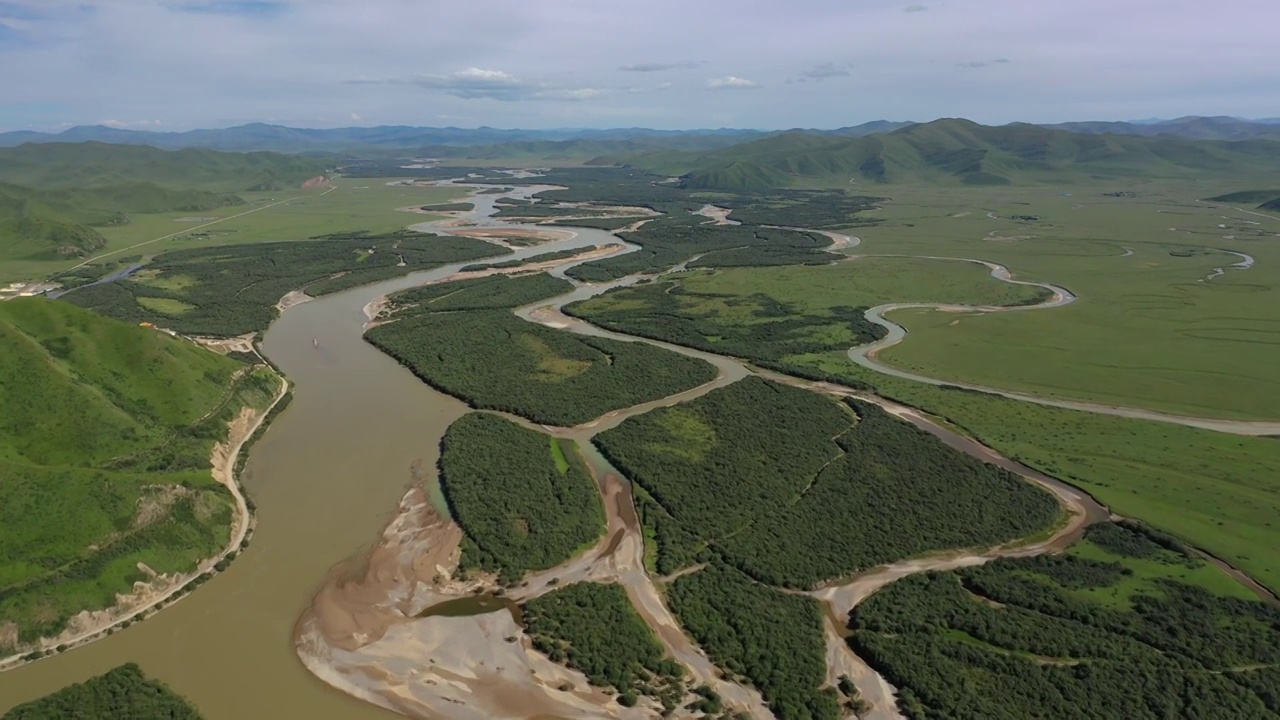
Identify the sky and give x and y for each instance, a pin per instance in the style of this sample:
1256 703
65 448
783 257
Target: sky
181 64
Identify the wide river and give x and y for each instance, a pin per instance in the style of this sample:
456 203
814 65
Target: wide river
326 478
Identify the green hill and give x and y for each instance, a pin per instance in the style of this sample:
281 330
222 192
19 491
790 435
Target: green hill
56 223
105 441
32 230
1247 196
960 152
93 164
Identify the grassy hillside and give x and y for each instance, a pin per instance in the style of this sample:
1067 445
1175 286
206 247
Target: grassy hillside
104 459
34 231
960 152
1250 197
52 195
59 223
91 164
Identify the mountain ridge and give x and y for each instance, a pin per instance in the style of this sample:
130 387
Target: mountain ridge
266 136
955 151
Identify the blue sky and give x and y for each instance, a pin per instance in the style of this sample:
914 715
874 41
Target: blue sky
179 64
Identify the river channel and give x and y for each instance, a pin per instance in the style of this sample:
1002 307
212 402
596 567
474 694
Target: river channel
326 477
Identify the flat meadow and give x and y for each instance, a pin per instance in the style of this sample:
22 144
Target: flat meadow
355 204
1155 325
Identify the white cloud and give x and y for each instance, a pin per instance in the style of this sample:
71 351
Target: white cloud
730 82
356 117
64 60
130 123
486 76
637 89
473 83
659 67
574 94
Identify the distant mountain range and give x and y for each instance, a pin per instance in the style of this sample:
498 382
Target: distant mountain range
260 136
1194 127
960 152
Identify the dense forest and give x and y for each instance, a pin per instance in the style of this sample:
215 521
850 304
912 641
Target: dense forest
486 293
895 492
543 257
771 332
525 500
772 206
594 629
233 289
718 463
120 693
1032 637
782 484
772 639
666 242
602 223
798 208
613 186
492 359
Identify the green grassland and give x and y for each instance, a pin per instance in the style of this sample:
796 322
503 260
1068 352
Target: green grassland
593 628
123 692
1149 329
776 314
104 458
356 205
791 488
523 503
1110 629
59 226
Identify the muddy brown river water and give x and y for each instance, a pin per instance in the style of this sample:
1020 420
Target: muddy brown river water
326 478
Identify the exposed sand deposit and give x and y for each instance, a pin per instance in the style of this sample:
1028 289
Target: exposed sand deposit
294 297
362 636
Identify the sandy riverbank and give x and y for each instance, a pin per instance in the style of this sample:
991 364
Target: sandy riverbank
361 635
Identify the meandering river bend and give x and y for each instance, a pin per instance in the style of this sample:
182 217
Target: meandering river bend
327 477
